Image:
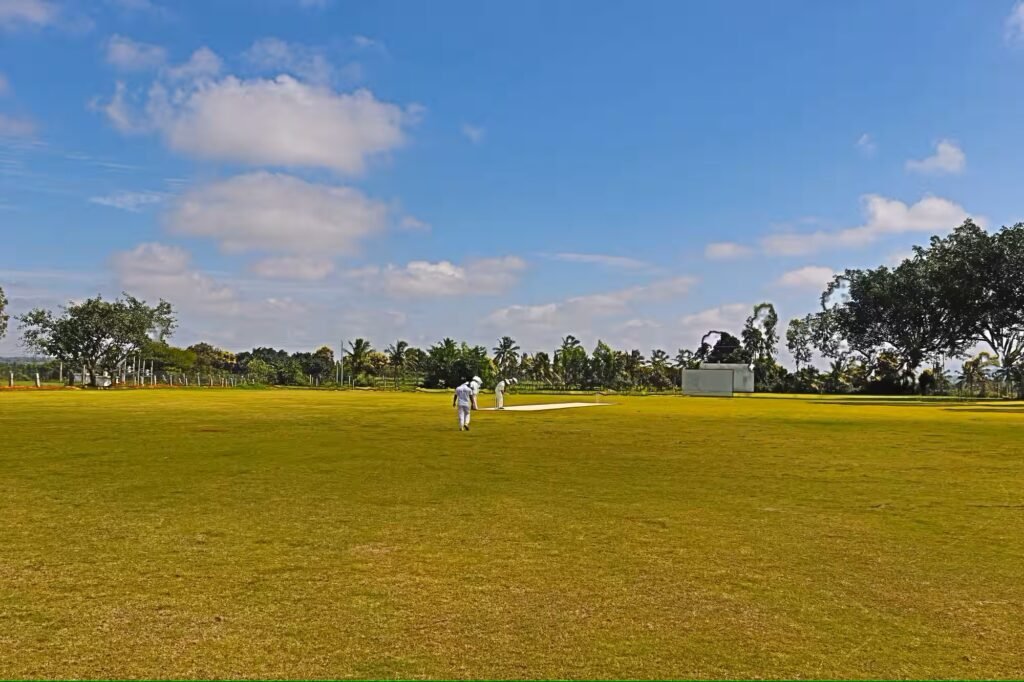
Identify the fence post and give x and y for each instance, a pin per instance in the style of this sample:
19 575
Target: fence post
37 380
10 380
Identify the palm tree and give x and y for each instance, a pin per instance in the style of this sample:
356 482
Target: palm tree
571 361
634 364
684 358
975 371
396 358
659 368
541 366
506 355
359 356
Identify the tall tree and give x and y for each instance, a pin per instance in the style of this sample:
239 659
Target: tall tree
322 365
571 362
799 340
759 333
659 367
686 359
4 317
359 358
900 309
542 370
605 366
210 358
415 359
726 349
633 365
96 334
506 355
396 358
979 279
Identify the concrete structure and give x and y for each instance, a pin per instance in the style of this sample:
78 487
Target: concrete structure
718 379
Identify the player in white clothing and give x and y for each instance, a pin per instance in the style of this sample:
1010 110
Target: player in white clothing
465 401
499 392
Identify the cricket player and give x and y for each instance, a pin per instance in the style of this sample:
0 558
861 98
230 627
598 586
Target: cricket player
465 401
499 395
499 392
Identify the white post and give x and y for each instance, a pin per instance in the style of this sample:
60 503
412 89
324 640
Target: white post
62 372
10 380
37 380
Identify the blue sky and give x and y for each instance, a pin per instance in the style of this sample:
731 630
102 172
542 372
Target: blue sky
291 172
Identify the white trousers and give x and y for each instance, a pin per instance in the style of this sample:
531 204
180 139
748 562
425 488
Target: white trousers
499 399
463 416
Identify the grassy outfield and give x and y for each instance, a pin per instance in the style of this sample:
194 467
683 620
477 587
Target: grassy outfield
290 533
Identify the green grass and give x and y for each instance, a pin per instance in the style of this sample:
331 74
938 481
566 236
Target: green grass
221 533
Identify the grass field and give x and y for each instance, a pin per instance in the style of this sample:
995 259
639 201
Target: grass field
219 533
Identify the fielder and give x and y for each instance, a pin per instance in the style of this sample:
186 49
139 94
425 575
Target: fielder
465 401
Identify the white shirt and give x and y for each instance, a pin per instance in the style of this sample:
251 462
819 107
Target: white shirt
464 395
500 388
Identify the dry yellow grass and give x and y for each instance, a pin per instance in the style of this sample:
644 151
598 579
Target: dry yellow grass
302 534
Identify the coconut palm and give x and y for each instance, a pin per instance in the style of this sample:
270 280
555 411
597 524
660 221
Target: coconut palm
396 358
684 359
974 373
506 355
542 366
359 357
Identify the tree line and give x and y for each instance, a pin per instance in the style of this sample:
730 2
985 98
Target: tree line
881 330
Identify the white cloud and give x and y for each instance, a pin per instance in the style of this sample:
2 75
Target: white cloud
158 270
129 201
279 213
129 55
726 251
308 63
579 311
867 145
948 158
268 122
210 310
16 127
15 13
1015 24
141 6
884 216
365 43
423 279
119 111
204 63
730 317
414 224
897 257
293 267
607 261
808 277
474 134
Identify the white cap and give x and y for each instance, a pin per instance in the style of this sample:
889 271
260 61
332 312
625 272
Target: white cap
476 380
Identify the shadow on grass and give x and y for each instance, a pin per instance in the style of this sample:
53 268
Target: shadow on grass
988 410
896 403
